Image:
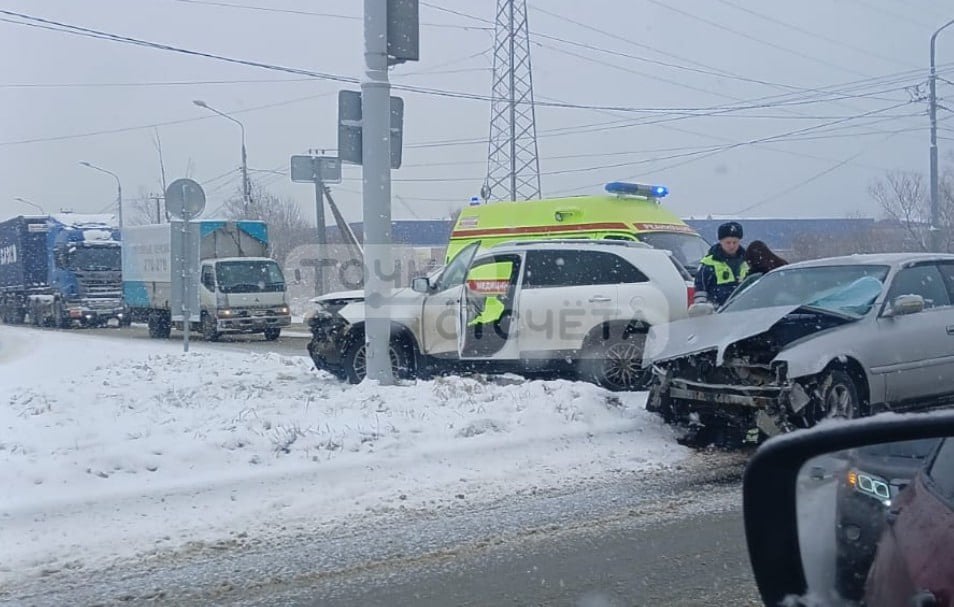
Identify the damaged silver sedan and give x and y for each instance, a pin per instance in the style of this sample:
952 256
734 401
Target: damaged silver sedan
840 337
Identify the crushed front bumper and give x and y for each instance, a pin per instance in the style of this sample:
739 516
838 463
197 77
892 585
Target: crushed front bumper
329 338
773 407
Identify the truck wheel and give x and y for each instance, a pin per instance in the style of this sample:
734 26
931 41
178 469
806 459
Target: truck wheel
159 326
210 332
60 319
272 334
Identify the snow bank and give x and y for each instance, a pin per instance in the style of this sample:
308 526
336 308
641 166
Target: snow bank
112 447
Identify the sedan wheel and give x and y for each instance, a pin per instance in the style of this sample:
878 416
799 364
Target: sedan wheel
835 397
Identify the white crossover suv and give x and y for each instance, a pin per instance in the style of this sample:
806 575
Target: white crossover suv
571 308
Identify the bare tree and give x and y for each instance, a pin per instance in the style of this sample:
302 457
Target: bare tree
903 198
287 227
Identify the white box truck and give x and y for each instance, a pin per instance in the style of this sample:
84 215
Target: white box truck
240 289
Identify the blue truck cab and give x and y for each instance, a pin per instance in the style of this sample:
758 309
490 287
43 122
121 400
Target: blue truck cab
61 270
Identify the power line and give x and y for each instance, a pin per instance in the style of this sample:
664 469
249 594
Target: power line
158 124
90 33
809 180
902 16
815 35
147 83
678 83
161 83
701 69
755 39
737 145
313 14
76 30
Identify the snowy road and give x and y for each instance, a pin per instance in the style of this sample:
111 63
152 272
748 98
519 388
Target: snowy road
293 341
671 538
130 466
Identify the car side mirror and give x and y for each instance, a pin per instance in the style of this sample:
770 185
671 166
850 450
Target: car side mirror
816 501
903 305
297 276
421 285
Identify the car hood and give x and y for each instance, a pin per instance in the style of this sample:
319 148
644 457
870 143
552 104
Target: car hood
338 295
713 332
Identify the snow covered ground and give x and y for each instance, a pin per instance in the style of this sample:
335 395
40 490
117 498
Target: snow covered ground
112 448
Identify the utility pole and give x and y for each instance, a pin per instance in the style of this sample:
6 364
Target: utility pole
158 200
376 190
319 225
935 203
513 165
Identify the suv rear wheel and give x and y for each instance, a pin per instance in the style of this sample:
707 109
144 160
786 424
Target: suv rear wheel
616 363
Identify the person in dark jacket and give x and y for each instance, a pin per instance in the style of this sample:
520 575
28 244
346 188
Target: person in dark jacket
721 271
761 259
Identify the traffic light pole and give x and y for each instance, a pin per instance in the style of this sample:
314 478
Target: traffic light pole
376 191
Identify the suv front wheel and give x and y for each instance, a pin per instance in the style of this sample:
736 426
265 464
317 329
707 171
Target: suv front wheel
355 360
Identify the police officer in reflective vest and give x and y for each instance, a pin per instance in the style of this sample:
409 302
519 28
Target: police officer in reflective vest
721 271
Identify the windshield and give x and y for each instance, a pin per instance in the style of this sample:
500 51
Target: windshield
850 289
94 258
689 249
242 276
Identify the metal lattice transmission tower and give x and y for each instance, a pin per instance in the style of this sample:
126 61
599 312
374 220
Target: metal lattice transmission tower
513 166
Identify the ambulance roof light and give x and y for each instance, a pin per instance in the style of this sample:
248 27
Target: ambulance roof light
621 188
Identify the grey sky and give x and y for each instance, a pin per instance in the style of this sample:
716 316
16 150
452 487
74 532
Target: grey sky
573 63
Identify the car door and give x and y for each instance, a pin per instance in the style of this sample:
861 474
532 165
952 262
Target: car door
565 294
488 308
438 330
915 554
916 353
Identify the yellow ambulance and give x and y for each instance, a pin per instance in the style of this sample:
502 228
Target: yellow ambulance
627 211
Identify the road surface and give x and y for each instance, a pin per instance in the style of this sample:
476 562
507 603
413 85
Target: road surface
671 538
293 341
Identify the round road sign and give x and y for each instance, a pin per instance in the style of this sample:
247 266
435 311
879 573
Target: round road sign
185 199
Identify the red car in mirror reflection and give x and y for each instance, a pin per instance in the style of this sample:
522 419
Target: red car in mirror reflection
914 563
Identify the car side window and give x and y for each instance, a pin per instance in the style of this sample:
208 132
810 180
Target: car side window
551 269
942 470
947 271
208 278
924 280
547 269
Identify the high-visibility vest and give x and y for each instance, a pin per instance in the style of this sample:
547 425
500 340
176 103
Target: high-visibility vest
723 271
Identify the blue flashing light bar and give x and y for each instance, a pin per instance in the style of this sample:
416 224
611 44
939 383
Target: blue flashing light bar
621 188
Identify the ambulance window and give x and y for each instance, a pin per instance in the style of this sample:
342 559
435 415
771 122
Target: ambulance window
619 237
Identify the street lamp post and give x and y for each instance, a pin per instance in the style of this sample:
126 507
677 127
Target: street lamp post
246 185
935 203
119 188
31 203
